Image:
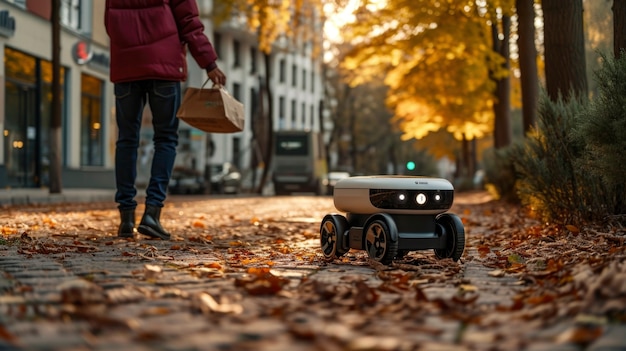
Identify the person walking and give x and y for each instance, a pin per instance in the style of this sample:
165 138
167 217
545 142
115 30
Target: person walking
148 44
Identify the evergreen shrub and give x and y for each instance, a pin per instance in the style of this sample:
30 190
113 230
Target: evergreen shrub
548 179
602 129
500 174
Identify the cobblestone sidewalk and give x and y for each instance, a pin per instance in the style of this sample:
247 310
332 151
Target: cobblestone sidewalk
67 283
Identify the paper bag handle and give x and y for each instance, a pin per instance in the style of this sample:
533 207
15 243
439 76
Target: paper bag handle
218 86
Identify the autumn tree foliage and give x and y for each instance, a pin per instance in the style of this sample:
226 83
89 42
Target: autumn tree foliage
439 62
438 55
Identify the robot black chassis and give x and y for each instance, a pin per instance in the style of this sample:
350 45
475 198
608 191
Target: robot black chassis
389 216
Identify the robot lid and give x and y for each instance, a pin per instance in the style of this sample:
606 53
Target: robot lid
393 194
394 182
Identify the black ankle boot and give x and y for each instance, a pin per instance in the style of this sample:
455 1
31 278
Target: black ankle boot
127 224
150 224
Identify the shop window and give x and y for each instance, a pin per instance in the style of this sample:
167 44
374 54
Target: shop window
28 115
91 134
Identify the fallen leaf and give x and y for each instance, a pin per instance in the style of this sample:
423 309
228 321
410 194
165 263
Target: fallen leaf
582 335
572 228
497 273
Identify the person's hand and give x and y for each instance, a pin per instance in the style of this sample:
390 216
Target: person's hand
217 76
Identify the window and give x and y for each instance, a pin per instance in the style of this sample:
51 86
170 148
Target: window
294 75
217 42
254 104
237 151
293 112
253 59
292 145
91 140
303 117
281 107
70 14
20 3
312 116
312 81
281 112
236 53
304 79
237 91
282 68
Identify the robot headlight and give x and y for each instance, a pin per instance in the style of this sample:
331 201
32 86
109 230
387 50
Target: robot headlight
420 198
401 197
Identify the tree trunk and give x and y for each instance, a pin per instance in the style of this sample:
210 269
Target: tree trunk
619 26
55 186
269 146
527 62
465 158
352 126
564 44
502 107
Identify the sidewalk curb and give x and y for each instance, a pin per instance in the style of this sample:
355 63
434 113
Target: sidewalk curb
42 196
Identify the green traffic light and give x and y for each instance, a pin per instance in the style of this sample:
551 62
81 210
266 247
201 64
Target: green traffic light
410 165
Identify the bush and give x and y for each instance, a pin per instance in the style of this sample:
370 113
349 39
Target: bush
548 179
602 129
571 167
500 174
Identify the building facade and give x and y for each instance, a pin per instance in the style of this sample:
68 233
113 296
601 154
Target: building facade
88 104
25 92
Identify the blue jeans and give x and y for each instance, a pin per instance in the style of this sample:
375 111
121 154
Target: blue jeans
163 98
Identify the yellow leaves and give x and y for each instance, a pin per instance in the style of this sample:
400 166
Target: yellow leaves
271 20
437 59
7 230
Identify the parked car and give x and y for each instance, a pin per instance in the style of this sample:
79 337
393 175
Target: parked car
225 178
187 181
332 179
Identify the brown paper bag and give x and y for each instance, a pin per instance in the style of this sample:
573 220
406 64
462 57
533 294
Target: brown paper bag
212 110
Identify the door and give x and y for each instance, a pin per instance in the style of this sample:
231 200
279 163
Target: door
21 136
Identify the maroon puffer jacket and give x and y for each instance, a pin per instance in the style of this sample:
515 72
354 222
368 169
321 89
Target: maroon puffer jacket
148 39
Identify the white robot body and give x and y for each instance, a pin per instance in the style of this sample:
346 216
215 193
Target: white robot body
388 216
393 194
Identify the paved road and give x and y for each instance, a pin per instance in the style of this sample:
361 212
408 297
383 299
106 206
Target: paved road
243 273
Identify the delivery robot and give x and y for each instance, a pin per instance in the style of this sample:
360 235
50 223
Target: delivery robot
389 216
